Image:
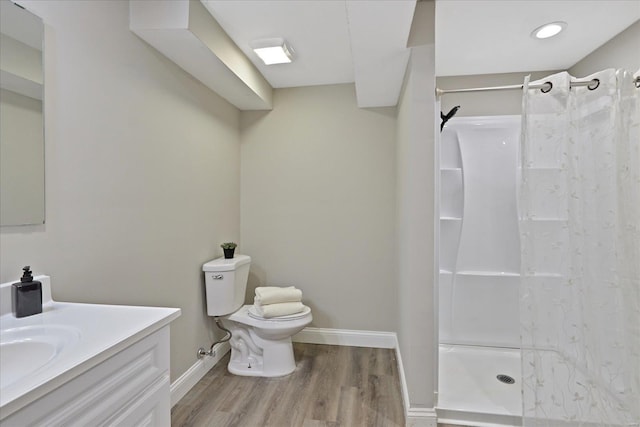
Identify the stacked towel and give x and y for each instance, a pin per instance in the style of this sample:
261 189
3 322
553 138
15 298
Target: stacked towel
273 301
274 295
280 309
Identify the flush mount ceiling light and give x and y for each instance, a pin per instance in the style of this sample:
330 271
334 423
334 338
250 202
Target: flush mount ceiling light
549 30
272 51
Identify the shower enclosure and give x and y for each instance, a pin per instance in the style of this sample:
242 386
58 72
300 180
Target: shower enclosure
479 365
539 254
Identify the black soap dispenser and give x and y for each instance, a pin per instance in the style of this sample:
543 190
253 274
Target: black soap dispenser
27 295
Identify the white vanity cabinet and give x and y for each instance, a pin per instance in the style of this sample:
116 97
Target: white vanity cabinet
130 388
84 365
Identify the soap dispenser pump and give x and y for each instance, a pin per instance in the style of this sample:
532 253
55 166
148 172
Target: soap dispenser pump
27 295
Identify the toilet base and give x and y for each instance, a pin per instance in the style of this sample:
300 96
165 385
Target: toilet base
276 359
253 356
255 370
237 367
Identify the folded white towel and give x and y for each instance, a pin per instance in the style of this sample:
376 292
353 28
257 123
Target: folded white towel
277 310
274 295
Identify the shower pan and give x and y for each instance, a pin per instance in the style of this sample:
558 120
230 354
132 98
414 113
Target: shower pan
479 259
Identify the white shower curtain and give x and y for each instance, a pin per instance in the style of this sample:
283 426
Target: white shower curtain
579 203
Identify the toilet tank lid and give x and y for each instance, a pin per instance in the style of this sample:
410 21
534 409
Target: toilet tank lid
224 264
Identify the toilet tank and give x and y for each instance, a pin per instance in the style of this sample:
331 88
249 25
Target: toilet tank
225 284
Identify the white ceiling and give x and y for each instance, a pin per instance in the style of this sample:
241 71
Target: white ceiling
316 30
335 41
342 41
493 36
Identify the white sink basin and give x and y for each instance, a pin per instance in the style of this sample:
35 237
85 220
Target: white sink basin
27 349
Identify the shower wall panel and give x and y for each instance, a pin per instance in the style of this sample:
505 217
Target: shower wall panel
485 310
479 237
489 241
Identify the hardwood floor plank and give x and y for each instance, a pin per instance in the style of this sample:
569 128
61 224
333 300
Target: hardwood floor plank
349 409
317 423
332 386
389 408
331 368
298 395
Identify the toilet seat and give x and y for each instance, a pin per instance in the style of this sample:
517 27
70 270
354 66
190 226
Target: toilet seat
243 316
252 312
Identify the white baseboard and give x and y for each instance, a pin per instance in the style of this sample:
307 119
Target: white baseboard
414 417
421 417
404 390
347 337
186 381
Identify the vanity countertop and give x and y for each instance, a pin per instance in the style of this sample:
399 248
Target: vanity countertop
92 334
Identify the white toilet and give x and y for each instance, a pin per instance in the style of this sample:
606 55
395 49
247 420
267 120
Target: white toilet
259 347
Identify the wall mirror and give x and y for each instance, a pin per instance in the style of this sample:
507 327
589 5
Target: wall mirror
21 116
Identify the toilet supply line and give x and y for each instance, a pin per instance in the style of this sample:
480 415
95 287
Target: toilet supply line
202 352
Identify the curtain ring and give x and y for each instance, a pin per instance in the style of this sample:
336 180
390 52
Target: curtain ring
593 84
548 85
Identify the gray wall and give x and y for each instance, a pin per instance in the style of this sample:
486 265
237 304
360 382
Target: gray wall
142 174
623 51
318 177
415 216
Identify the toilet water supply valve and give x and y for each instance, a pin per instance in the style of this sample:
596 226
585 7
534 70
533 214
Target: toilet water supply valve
202 352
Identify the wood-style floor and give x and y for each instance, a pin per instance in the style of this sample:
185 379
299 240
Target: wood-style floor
331 386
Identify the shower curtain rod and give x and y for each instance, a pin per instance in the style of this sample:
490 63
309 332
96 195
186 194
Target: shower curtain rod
546 87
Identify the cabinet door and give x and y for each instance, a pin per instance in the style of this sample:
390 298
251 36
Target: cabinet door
132 384
152 408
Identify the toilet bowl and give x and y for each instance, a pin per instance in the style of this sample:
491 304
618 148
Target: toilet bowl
259 347
262 347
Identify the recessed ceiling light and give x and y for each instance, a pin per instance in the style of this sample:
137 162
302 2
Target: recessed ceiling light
272 51
549 30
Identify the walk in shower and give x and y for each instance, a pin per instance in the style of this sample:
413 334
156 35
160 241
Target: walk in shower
539 256
479 271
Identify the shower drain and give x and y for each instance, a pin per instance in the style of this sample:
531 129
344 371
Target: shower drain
505 379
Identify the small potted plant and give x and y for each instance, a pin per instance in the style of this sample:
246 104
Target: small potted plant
228 249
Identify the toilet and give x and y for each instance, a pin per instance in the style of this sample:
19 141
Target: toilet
259 347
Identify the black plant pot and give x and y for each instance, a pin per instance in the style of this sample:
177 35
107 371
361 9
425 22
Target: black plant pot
228 253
